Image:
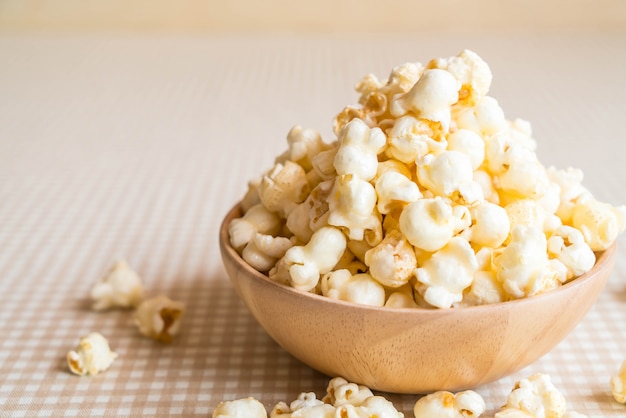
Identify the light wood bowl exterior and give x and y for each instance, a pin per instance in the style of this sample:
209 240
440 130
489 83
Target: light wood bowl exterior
413 350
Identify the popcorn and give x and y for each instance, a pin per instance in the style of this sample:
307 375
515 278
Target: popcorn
443 277
342 399
471 71
522 266
341 392
159 318
305 406
489 116
469 143
121 287
599 222
304 145
402 298
534 397
568 245
312 214
359 288
303 265
395 189
618 384
411 138
392 261
430 98
444 404
91 356
571 190
490 225
351 205
528 212
485 290
447 174
263 251
283 187
258 219
240 408
425 169
358 149
430 223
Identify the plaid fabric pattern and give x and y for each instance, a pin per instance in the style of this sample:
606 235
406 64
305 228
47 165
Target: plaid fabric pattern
135 147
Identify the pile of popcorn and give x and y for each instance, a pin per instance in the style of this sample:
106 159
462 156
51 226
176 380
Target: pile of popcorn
428 197
534 397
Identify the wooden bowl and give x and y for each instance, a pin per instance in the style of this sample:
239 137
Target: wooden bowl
413 350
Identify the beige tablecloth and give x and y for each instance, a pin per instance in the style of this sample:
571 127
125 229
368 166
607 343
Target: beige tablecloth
135 146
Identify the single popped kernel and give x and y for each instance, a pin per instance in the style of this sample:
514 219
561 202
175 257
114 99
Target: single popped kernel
444 404
618 384
159 318
121 287
91 356
240 408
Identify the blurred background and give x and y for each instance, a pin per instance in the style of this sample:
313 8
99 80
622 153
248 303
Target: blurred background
315 16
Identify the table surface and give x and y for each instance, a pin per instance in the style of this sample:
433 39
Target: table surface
134 146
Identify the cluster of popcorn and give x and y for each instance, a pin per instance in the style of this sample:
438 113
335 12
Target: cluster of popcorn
428 197
342 399
121 288
535 397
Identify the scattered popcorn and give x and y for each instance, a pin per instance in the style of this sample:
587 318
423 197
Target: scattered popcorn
618 384
534 397
240 408
159 318
444 404
424 170
342 400
121 287
91 356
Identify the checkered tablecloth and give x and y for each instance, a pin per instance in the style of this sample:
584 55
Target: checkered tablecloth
135 146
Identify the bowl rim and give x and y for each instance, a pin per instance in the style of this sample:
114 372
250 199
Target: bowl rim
603 258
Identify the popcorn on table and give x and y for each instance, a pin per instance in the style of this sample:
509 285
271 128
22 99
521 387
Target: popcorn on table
618 384
159 318
121 287
536 397
342 399
444 404
91 356
425 171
